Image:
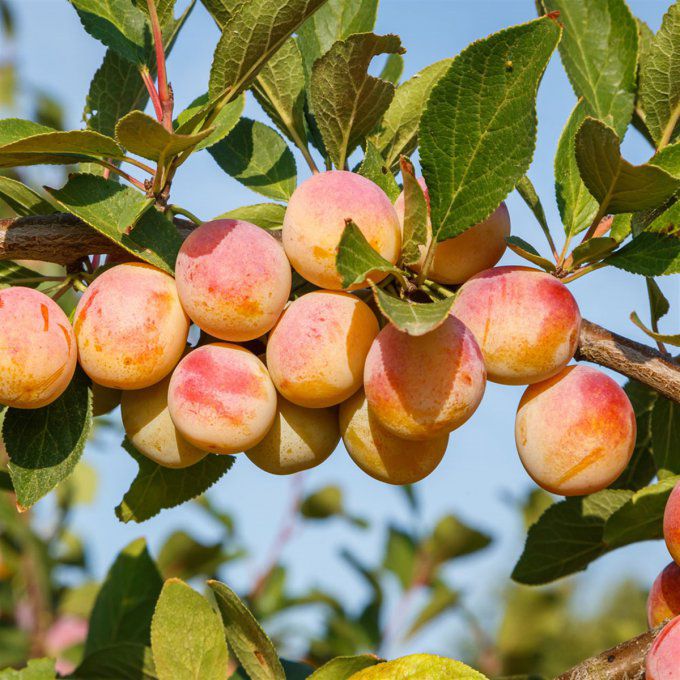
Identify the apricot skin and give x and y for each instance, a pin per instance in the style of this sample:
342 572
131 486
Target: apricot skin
315 220
381 454
233 279
316 352
526 323
38 351
457 259
662 658
148 426
422 386
575 432
664 597
221 398
300 439
671 524
130 327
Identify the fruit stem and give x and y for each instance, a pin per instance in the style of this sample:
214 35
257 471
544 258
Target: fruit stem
153 92
439 289
164 89
583 271
178 210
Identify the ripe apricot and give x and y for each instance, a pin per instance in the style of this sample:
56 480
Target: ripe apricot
148 426
300 439
456 259
381 454
422 386
221 398
526 323
315 220
37 349
317 350
664 597
130 326
575 432
671 524
233 279
662 659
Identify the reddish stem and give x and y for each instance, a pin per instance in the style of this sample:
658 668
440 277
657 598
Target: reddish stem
153 93
166 98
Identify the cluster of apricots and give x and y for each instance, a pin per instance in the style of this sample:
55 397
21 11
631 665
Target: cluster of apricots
327 370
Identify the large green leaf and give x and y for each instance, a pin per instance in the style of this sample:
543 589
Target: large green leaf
344 667
221 10
245 636
649 254
156 487
120 661
22 199
258 157
187 636
265 215
125 604
37 669
478 131
45 444
660 79
346 101
14 274
223 124
666 437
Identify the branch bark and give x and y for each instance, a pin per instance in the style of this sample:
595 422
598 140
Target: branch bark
63 238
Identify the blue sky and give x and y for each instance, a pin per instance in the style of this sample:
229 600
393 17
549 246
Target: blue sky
481 471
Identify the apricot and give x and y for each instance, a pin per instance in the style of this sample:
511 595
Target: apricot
664 597
671 524
221 398
662 662
575 432
381 454
300 439
422 386
456 259
233 279
418 667
317 350
148 426
130 326
37 349
526 323
315 220
104 399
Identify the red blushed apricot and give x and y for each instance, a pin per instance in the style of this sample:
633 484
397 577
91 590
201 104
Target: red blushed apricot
422 386
663 659
130 326
148 426
526 323
379 453
315 220
221 398
671 524
37 349
316 352
664 597
233 279
575 432
457 259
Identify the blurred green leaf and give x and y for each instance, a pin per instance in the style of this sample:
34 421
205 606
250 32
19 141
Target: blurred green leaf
23 200
393 68
13 274
441 600
79 600
344 667
452 538
322 504
400 555
182 556
414 318
37 669
120 661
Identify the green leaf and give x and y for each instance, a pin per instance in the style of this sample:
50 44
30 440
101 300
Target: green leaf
659 337
156 487
599 53
45 444
25 143
649 254
265 215
414 318
528 252
112 208
393 68
254 31
258 157
322 504
374 168
668 159
441 600
568 536
660 79
346 101
183 556
146 137
187 636
119 24
221 10
527 191
621 227
417 229
659 305
618 186
13 274
420 666
400 556
452 538
124 607
344 667
245 636
665 437
121 661
37 669
593 249
478 131
22 199
641 517
224 122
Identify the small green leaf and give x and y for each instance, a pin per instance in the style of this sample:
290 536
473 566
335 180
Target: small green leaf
452 538
373 167
22 199
621 227
156 488
441 600
224 122
414 318
184 557
393 68
322 504
593 249
417 229
187 636
265 215
658 304
344 667
346 101
125 603
258 157
121 661
527 191
37 669
649 254
400 556
665 437
528 252
245 636
45 444
13 274
673 339
478 131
